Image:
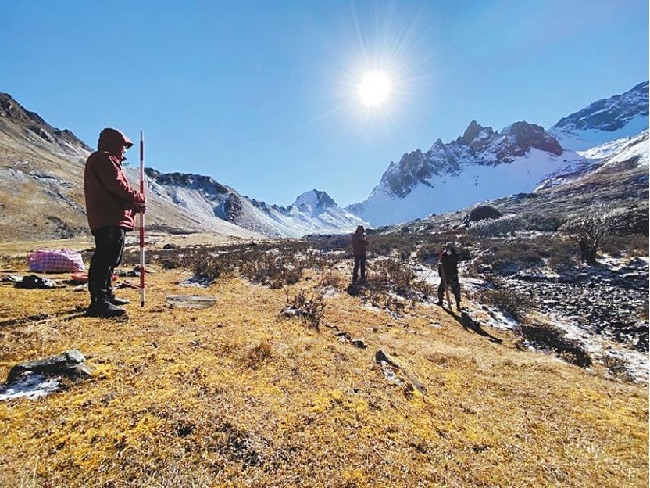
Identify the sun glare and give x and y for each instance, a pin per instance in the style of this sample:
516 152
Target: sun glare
374 88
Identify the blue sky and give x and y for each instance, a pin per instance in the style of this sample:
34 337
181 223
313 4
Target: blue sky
262 94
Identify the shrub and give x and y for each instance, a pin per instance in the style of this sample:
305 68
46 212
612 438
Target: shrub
545 336
309 309
634 245
509 257
511 224
502 226
589 230
514 304
258 355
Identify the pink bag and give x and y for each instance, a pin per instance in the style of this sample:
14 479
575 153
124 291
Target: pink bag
55 261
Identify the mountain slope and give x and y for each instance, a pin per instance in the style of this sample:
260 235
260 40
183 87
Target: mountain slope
604 120
40 176
314 212
41 183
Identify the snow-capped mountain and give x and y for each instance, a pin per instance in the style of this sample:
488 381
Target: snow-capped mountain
482 164
313 212
604 120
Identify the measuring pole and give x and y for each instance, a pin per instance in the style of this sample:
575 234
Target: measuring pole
142 264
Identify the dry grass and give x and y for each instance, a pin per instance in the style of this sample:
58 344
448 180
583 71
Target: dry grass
238 395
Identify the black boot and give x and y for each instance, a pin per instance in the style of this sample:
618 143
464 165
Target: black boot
100 306
115 300
93 298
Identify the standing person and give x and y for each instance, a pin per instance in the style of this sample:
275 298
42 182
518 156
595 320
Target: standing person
359 249
448 271
111 205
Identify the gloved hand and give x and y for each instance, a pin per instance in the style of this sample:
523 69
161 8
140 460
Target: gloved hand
140 207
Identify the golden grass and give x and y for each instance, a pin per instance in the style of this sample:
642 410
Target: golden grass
236 395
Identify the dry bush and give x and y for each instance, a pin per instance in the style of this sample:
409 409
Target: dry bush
549 337
258 354
618 368
331 279
393 244
634 245
309 308
510 256
390 276
511 224
275 269
508 301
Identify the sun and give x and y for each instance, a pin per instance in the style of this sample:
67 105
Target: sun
374 88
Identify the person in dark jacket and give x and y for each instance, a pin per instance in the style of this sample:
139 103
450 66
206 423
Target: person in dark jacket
111 205
448 271
359 250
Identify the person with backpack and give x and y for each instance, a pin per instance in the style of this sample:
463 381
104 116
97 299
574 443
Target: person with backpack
448 271
111 205
359 250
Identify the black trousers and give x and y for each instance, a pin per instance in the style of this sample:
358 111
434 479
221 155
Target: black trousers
109 246
453 283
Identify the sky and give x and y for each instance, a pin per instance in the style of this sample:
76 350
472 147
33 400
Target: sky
263 95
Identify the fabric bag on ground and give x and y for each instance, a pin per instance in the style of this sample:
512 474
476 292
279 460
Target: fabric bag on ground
55 261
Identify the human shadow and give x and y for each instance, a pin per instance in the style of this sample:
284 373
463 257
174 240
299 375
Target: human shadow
470 324
44 317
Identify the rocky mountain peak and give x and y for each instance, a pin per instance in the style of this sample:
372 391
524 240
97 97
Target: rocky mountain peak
479 145
314 200
526 136
476 131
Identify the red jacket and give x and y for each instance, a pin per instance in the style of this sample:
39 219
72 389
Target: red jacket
359 243
110 200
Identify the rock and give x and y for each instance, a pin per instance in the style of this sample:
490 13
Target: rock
381 356
358 343
70 364
483 212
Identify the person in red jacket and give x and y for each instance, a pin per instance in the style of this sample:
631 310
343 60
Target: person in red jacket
359 250
111 205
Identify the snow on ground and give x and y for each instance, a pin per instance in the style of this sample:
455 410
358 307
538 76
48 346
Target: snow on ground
31 386
601 349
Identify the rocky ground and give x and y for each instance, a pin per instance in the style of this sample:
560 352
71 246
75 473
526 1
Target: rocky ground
603 307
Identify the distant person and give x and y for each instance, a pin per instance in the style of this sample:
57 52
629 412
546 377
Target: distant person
359 250
448 271
111 205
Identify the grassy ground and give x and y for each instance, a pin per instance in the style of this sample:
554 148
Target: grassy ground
239 395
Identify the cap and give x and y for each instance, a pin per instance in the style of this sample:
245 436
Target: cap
112 136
